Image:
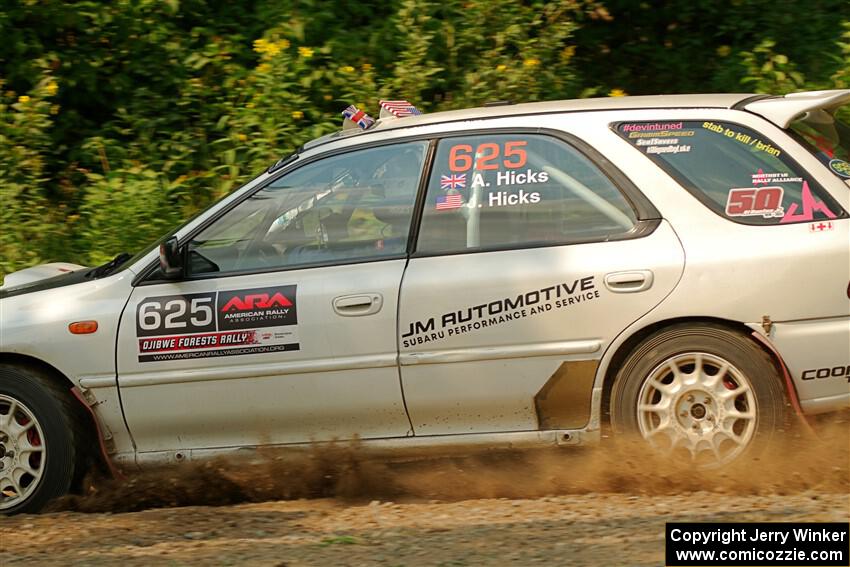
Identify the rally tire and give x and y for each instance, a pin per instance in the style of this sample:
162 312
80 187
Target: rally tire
704 392
57 431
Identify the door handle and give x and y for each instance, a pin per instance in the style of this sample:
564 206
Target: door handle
358 305
629 282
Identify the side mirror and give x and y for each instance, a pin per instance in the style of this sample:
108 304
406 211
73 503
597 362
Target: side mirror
170 259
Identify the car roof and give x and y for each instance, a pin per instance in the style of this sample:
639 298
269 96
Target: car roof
577 105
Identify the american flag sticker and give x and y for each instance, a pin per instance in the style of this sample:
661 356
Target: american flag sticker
445 202
399 108
454 181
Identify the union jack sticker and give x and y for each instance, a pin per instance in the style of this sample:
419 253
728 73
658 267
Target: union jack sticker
453 181
358 117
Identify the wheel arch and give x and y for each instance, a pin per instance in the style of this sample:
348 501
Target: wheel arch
25 360
60 379
628 345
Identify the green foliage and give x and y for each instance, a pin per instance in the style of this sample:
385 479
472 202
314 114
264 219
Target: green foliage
120 118
770 72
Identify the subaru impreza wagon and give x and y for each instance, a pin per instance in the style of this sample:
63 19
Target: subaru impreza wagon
676 267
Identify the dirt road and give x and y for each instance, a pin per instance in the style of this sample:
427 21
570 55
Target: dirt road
590 529
592 507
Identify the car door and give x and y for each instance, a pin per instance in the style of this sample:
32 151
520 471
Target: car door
530 259
283 329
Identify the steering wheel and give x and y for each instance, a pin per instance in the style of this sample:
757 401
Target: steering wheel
259 255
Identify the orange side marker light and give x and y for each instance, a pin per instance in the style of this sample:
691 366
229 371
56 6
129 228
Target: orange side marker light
83 327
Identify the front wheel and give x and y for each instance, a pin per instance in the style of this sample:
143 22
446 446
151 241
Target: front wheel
706 394
38 440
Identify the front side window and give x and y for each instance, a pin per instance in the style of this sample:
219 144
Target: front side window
510 190
354 206
735 171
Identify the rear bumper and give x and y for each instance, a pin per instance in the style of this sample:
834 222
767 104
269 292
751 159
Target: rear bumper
817 354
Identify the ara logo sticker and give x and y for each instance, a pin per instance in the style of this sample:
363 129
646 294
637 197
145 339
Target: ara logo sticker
256 301
840 168
260 307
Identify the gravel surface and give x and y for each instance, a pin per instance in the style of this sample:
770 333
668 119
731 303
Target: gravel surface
599 506
590 529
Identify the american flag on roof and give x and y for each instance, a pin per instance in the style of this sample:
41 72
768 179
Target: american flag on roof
445 202
358 117
453 181
399 108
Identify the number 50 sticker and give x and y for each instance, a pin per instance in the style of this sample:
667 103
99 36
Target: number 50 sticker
751 202
486 156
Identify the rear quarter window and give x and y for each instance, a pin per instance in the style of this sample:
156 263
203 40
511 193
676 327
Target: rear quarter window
733 170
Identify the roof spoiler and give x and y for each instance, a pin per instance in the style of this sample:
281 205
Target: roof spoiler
783 110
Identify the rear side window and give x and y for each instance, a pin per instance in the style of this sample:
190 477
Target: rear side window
735 171
495 191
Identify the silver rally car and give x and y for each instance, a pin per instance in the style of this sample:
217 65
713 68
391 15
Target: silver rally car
677 267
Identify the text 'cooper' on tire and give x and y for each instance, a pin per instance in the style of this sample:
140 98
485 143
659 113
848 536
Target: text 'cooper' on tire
703 393
38 439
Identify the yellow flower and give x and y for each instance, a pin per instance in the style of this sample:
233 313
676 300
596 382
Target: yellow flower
297 114
23 99
328 97
531 62
272 49
305 52
52 88
263 68
54 109
724 51
367 67
617 92
347 69
501 68
568 52
241 137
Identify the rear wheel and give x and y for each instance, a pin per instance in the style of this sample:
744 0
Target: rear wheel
706 394
39 427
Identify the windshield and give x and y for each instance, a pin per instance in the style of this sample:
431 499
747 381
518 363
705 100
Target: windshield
828 138
141 254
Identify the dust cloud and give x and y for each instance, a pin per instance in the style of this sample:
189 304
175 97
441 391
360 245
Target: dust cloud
816 461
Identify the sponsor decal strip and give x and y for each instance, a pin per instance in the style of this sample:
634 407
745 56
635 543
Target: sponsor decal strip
189 342
222 323
500 311
214 353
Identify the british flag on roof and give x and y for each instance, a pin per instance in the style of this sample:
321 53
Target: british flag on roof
399 108
358 117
